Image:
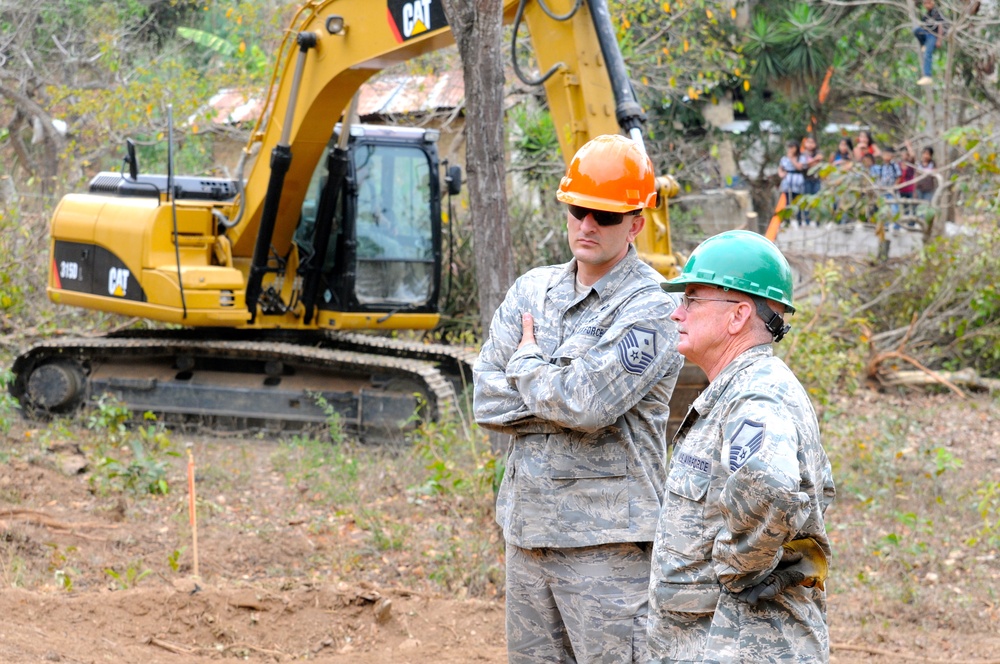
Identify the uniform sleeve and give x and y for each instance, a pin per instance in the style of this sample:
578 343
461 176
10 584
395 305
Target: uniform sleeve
593 390
761 502
496 403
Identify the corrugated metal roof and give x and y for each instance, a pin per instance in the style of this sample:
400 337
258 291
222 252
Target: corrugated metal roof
231 107
396 95
388 95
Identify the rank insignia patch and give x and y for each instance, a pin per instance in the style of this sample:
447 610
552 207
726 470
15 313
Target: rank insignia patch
637 349
745 443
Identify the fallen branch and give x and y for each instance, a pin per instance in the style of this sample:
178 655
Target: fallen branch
403 591
882 357
123 326
902 656
263 651
181 650
166 645
965 377
42 519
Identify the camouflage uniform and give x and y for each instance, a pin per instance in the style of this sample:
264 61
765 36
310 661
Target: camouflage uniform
586 407
748 474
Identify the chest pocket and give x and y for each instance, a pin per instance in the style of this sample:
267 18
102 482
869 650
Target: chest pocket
577 345
686 495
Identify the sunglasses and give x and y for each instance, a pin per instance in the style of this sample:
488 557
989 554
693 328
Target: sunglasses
686 300
602 217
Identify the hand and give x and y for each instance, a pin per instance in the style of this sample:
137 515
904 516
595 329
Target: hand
527 330
802 563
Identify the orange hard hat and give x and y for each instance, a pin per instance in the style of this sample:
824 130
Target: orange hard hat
610 173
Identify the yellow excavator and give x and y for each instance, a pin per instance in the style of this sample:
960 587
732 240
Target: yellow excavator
277 278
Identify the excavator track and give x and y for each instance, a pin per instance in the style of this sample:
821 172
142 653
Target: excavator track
458 362
236 384
455 361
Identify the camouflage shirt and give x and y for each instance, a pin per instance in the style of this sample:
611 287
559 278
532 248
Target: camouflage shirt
586 405
747 474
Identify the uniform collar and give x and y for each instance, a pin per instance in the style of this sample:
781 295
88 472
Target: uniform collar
610 282
707 399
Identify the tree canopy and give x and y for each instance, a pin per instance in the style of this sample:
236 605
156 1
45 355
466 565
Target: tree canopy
724 83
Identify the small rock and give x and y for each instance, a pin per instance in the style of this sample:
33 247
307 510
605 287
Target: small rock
188 586
72 465
383 610
409 644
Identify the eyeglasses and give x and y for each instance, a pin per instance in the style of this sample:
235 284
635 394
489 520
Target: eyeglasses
602 217
686 300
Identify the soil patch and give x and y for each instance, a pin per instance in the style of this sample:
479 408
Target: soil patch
290 571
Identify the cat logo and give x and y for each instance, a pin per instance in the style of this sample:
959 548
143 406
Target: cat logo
118 281
415 17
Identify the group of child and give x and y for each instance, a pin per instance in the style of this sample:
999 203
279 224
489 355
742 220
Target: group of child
899 178
900 181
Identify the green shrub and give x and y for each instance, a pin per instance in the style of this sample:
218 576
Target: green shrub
128 459
8 404
942 307
827 345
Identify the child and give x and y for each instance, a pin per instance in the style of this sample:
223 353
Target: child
888 176
867 144
928 183
793 182
873 171
907 179
844 154
929 33
809 157
869 166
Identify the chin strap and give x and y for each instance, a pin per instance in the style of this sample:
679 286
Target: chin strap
772 320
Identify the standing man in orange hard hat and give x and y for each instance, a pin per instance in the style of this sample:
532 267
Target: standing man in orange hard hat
578 368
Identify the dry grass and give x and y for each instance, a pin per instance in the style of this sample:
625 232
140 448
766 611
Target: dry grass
914 542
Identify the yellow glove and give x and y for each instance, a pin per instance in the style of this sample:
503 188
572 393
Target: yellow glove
803 563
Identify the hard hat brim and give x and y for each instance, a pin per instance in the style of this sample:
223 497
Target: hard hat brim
595 203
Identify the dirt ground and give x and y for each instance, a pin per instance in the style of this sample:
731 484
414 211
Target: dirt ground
285 578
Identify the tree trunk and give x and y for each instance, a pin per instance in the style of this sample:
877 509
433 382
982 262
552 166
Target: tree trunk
478 29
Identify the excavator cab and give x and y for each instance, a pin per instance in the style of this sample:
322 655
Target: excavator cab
384 251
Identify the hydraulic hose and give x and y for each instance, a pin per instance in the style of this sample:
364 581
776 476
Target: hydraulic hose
281 159
628 112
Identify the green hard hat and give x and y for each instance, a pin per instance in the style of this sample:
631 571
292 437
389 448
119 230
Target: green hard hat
738 260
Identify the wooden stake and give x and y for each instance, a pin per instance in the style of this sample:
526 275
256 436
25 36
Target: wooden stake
191 509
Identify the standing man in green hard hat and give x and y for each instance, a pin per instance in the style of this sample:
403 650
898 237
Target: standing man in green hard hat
741 549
